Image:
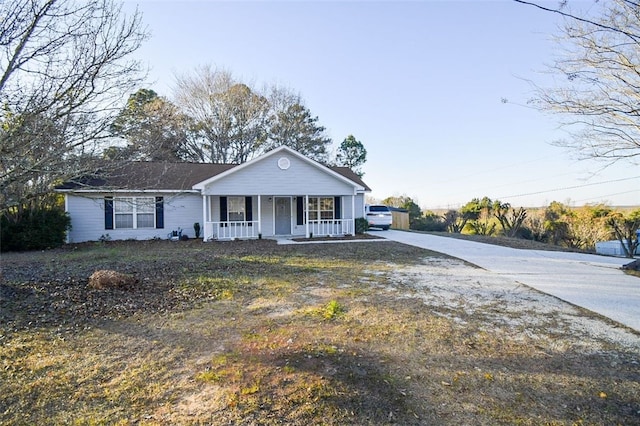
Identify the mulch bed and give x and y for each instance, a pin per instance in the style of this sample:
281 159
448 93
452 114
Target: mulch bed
343 238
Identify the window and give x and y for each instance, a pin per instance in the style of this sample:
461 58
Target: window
313 209
145 217
134 212
326 208
321 208
123 210
236 209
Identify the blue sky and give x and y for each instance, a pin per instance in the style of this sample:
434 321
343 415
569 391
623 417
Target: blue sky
419 83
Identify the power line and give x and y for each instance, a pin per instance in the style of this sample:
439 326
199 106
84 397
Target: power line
510 184
607 195
477 172
569 187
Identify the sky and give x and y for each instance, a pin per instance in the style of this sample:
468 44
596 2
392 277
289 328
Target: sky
420 83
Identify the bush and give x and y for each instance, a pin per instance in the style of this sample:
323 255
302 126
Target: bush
333 310
36 229
429 222
526 234
362 225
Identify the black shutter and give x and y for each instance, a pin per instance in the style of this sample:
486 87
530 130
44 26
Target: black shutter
108 212
300 210
223 209
248 208
337 208
159 212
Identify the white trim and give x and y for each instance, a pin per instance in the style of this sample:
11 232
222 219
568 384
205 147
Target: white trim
259 216
201 185
284 163
306 215
129 191
231 230
353 211
204 217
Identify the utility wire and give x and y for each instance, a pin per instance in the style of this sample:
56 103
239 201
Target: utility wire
569 187
607 195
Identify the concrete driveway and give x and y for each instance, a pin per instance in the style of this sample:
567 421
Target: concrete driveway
591 281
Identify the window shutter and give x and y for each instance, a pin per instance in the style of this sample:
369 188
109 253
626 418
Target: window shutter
248 209
337 207
223 209
300 210
108 212
159 212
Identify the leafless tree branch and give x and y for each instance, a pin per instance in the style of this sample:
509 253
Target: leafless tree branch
64 71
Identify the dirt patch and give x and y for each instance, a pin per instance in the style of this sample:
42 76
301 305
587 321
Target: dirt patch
518 243
256 333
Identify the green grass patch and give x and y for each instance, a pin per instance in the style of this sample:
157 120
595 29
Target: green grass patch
333 310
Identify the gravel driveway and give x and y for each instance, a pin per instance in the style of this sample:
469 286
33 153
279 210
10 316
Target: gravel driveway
590 281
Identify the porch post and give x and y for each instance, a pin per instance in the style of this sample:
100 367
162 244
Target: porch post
306 215
259 216
353 213
204 217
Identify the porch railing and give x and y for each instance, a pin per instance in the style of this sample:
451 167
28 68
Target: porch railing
331 227
249 229
231 230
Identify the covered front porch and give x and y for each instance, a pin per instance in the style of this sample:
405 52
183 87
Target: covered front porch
229 217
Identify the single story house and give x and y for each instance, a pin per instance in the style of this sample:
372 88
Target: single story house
279 194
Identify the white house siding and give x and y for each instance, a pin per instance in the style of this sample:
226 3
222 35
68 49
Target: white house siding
87 217
359 206
264 177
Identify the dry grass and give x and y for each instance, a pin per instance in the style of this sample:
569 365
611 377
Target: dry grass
517 243
254 333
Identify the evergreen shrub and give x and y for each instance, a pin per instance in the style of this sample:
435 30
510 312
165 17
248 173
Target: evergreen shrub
36 229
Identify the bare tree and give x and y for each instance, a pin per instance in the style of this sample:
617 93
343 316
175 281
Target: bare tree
64 68
234 122
626 227
599 91
230 117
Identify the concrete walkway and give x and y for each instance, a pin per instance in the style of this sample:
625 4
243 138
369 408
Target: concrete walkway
591 281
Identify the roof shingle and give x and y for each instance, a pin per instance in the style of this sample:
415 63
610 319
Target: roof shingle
142 175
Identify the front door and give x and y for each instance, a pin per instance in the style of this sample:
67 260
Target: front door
283 215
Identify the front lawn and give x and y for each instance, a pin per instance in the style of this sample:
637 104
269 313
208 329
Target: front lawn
249 332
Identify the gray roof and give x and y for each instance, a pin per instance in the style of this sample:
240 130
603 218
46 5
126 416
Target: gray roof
146 175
